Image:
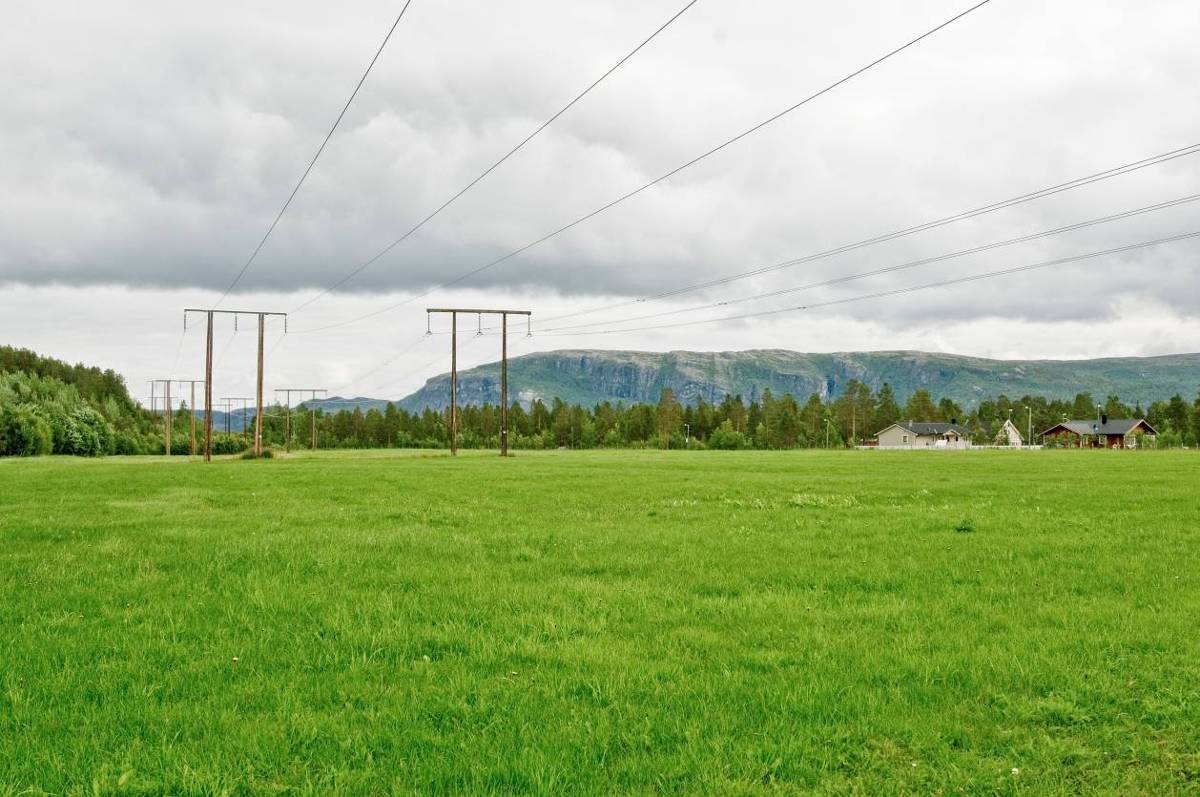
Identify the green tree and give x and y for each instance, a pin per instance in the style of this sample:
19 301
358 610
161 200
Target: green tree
948 411
855 411
920 407
887 411
1113 408
669 417
781 420
1084 407
1178 414
812 420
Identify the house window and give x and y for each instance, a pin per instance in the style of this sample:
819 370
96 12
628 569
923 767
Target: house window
905 438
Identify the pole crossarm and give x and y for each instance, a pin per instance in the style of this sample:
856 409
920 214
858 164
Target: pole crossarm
301 390
476 311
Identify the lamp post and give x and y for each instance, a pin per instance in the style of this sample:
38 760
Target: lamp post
1098 444
1029 429
687 434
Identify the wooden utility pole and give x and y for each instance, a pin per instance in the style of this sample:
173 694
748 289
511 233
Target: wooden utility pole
208 392
228 410
245 405
288 391
166 383
504 314
258 390
504 384
208 366
453 384
192 407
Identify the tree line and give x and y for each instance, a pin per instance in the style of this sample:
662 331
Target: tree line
767 422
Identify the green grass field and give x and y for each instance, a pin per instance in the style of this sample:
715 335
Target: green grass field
603 622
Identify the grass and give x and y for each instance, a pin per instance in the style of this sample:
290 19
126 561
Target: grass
602 622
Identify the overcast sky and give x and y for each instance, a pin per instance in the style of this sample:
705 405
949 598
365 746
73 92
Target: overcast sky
146 147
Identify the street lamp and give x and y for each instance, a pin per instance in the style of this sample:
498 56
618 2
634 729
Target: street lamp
1029 429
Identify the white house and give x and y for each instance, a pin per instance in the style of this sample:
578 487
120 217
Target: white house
908 434
1010 434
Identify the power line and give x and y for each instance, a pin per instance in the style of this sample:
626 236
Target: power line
898 267
892 292
749 131
370 261
1078 182
395 356
313 162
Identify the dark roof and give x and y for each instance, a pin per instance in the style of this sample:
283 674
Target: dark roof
1112 426
934 428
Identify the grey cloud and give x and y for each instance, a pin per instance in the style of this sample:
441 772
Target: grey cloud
154 146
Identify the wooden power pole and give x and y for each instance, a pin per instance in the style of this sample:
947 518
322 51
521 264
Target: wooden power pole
166 383
192 407
504 314
245 404
208 366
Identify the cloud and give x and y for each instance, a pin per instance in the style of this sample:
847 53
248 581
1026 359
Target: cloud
147 147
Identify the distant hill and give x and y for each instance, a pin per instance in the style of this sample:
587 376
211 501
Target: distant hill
590 376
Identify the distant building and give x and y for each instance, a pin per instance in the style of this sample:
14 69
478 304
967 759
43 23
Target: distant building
1010 434
1102 433
909 434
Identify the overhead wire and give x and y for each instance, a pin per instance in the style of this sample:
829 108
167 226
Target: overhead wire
892 292
697 159
479 178
1041 193
395 356
897 267
278 216
225 348
464 343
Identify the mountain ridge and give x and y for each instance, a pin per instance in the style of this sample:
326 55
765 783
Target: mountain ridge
589 376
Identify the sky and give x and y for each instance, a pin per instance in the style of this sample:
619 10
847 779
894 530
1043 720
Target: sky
146 148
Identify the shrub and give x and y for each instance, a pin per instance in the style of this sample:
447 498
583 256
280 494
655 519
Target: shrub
86 433
726 438
24 432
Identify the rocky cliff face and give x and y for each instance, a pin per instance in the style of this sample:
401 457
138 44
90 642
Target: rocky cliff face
591 376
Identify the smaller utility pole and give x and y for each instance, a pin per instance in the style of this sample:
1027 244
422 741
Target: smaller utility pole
288 391
166 383
192 407
245 403
228 409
